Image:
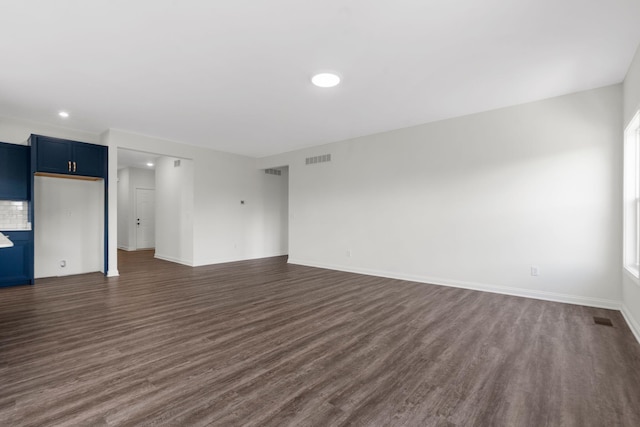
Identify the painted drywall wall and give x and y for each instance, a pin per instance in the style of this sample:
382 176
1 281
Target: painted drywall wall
474 201
129 179
174 213
631 285
227 229
223 228
124 206
143 178
69 226
275 200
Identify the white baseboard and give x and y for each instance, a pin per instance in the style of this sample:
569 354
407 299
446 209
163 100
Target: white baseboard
113 273
496 289
634 325
126 248
173 259
209 261
232 259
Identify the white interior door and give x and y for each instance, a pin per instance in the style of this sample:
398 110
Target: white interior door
145 218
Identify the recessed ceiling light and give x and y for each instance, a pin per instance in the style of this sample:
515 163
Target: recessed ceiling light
63 114
325 80
150 164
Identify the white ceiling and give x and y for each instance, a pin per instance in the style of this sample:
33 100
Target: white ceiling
235 75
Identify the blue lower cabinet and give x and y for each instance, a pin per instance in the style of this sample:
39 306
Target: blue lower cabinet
16 263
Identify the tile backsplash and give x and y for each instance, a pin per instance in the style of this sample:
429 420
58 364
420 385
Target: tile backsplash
14 215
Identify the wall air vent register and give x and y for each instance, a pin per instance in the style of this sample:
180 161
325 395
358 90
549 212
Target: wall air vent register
317 159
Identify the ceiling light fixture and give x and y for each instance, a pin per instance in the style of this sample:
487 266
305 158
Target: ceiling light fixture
325 80
150 164
63 114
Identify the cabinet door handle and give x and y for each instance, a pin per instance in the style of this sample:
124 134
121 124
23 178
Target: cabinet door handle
69 165
74 166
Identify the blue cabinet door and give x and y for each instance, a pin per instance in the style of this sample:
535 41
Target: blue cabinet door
14 172
16 263
52 155
89 160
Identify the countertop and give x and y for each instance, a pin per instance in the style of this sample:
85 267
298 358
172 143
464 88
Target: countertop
5 242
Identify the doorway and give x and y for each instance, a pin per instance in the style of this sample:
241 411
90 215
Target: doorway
276 211
136 170
145 218
155 204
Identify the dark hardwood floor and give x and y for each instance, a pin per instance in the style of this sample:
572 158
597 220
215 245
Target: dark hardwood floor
264 343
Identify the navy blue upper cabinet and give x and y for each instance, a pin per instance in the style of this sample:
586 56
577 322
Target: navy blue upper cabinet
65 157
14 172
89 159
53 155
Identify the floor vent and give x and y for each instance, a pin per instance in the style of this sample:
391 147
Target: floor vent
273 172
317 159
602 321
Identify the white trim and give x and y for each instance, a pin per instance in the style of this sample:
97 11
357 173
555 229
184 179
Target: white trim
631 321
232 259
631 196
211 261
126 248
173 259
634 123
113 273
635 279
496 289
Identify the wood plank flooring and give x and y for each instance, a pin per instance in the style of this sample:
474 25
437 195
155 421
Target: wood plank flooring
264 343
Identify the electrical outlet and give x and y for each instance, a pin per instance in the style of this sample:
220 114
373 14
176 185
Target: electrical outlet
535 270
63 263
348 253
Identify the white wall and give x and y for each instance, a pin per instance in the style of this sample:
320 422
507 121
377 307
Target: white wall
227 230
473 201
129 179
69 225
630 285
124 206
174 210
